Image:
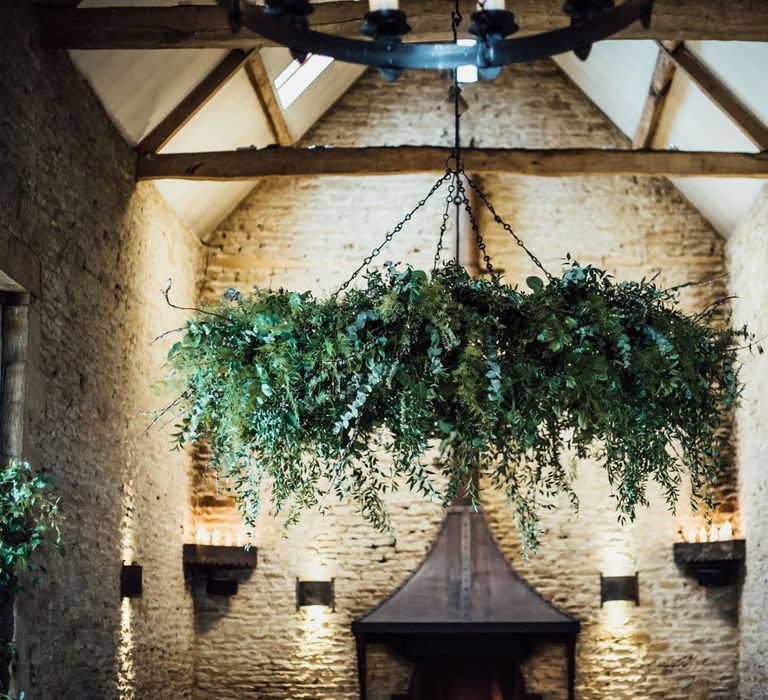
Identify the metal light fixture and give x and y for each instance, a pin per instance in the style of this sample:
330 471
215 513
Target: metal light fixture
619 588
310 593
131 581
286 22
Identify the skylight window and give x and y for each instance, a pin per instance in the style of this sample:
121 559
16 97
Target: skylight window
466 74
297 77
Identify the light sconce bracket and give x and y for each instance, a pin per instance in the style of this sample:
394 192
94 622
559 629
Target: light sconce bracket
619 588
316 593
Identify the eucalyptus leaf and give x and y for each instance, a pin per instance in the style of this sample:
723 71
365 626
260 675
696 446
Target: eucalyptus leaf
488 376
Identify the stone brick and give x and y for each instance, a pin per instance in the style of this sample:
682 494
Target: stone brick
748 263
682 642
107 248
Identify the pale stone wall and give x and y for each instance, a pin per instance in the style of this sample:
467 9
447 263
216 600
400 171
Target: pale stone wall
107 249
748 262
681 643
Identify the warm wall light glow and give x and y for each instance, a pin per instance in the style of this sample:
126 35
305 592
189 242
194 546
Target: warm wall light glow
297 77
126 671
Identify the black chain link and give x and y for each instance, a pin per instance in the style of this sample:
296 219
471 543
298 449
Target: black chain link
507 227
369 258
457 195
446 217
462 193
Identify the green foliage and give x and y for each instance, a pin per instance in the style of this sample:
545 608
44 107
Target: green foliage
303 396
28 519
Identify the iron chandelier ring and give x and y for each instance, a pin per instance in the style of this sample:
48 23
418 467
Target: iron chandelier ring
446 55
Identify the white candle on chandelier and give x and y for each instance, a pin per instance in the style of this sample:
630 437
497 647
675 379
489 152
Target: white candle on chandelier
492 5
714 534
216 538
690 536
702 534
376 5
726 531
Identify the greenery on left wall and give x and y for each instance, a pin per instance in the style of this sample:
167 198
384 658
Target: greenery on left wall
29 520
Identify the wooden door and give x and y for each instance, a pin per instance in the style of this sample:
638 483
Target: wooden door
467 678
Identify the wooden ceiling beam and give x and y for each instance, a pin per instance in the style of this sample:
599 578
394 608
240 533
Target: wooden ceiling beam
712 87
208 26
247 164
265 93
61 3
661 81
194 101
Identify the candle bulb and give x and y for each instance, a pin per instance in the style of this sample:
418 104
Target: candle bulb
702 534
240 540
726 531
376 5
491 5
202 536
690 535
714 535
216 538
228 540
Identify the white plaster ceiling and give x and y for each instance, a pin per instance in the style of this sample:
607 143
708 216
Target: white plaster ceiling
617 78
140 88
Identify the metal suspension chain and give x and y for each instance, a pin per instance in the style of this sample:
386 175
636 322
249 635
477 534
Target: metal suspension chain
457 195
507 227
462 194
446 216
369 258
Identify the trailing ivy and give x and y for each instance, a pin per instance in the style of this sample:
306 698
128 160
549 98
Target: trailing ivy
346 396
29 515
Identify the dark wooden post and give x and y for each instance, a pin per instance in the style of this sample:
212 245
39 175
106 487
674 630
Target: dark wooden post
362 665
571 667
13 372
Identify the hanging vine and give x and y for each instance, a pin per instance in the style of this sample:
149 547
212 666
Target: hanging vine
422 379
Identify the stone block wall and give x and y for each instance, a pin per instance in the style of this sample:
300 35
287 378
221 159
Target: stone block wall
107 248
748 279
310 233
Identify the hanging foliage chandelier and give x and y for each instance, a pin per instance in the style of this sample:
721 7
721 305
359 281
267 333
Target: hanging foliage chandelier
436 379
287 22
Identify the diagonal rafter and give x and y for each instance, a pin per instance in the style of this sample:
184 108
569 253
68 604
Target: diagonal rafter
265 93
719 94
661 81
194 101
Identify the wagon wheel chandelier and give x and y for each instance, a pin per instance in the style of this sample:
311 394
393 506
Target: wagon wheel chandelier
286 22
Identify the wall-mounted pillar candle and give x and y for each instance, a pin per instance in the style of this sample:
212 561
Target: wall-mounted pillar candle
492 5
376 5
